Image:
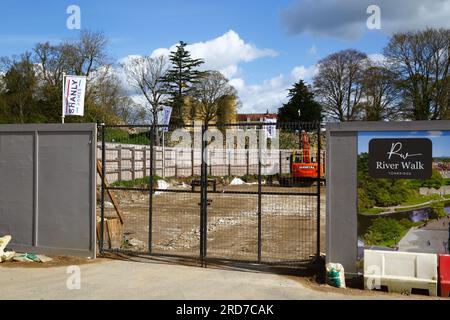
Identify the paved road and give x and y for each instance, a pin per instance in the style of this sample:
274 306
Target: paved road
114 279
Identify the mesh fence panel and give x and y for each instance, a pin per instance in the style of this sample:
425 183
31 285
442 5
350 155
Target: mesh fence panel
257 192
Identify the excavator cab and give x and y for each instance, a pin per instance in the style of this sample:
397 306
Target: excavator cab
304 166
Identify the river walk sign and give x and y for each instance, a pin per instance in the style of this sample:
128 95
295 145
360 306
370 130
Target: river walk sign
370 167
400 158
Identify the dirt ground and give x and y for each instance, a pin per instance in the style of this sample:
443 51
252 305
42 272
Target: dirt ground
288 222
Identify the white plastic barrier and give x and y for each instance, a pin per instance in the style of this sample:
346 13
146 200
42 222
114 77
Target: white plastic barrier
400 271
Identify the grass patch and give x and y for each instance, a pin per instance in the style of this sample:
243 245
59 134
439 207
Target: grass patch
418 199
140 182
372 211
387 232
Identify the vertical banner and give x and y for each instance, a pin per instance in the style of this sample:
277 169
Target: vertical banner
74 91
271 130
165 120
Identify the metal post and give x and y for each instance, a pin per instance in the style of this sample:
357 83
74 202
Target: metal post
259 197
192 161
102 195
203 198
164 155
133 163
247 161
144 160
210 163
229 163
319 164
281 164
63 97
150 200
119 162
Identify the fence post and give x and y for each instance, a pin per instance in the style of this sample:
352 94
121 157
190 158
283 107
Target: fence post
119 162
102 195
203 197
176 163
248 161
192 161
150 200
319 164
133 159
281 164
144 159
210 163
229 163
259 197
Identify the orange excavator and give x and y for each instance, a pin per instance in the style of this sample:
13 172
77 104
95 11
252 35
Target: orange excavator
304 166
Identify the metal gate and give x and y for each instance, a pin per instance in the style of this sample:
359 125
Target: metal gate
247 192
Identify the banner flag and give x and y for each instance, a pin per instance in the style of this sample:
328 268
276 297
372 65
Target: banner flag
167 113
271 130
73 95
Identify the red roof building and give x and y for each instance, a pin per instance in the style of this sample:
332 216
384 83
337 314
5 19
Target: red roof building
255 117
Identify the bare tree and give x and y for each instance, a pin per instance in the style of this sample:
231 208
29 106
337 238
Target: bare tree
146 75
421 60
210 94
129 111
338 84
380 93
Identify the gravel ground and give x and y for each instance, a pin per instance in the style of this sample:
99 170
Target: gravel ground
288 223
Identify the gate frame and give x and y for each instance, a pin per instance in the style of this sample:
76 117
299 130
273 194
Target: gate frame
204 193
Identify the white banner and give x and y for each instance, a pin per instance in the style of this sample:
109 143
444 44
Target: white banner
73 95
271 130
165 120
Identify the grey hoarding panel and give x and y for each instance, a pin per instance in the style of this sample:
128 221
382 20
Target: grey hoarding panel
47 199
342 200
16 186
342 197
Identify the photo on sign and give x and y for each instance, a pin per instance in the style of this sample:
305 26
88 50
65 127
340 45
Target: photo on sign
404 191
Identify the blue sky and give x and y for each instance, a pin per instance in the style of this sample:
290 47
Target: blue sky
267 45
440 140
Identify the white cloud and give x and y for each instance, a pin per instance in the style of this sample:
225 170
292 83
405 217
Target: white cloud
304 73
271 93
258 98
223 53
377 58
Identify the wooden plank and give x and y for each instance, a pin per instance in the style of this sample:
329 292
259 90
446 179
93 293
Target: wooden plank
110 193
115 233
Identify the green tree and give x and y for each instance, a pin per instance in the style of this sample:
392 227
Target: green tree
338 84
437 210
20 88
421 61
380 92
31 87
436 181
385 232
301 98
180 78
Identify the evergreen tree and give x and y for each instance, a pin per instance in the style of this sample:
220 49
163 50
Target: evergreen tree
180 77
300 98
